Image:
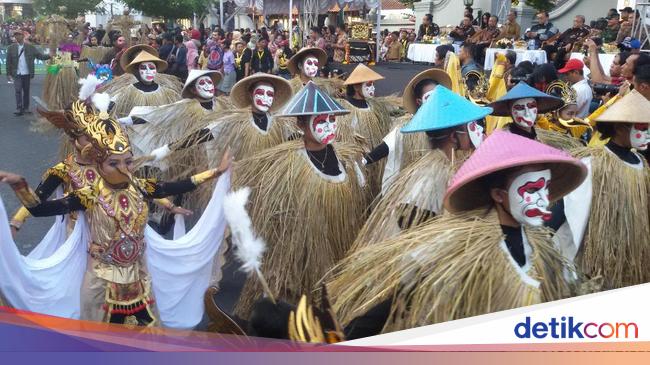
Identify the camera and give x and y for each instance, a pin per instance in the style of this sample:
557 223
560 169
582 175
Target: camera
604 89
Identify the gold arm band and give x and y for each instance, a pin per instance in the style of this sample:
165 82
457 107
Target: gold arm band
27 196
19 218
204 176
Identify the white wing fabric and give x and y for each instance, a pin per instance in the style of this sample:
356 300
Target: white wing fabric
181 269
49 284
55 237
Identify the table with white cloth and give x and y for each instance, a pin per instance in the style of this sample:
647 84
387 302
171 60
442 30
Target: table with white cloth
537 56
425 52
606 60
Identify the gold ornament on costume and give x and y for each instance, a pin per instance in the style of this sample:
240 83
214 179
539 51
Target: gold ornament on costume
315 325
106 135
477 86
563 90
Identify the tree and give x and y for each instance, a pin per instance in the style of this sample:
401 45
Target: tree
541 5
73 8
174 9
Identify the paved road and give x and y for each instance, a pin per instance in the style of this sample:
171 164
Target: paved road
30 154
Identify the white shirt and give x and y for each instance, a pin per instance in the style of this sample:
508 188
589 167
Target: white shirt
584 93
23 69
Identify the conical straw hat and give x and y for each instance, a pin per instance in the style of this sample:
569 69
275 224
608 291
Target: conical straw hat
241 97
145 56
632 108
311 100
437 75
292 64
133 51
361 74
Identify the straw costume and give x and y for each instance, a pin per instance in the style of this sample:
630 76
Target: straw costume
305 66
608 217
467 263
400 150
142 61
308 205
417 193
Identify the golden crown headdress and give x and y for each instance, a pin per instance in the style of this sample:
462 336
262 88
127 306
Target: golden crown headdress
563 90
71 120
477 86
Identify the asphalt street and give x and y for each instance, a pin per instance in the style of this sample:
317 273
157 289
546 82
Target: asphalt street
30 153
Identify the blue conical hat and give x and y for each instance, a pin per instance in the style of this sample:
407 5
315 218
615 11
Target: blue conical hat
545 102
311 100
444 109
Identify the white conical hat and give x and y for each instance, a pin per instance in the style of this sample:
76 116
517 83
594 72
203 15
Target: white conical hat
632 108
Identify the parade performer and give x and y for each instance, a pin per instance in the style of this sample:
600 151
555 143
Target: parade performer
490 254
369 116
305 66
401 150
92 54
148 88
252 123
115 286
608 217
524 104
417 193
308 200
562 129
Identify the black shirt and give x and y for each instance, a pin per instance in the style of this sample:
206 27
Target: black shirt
146 88
359 103
516 129
325 160
623 153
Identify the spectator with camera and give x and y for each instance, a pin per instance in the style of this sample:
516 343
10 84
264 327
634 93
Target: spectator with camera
598 76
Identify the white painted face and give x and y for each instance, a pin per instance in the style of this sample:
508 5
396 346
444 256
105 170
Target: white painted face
263 95
147 72
368 89
475 132
323 128
528 196
204 87
640 137
524 112
310 66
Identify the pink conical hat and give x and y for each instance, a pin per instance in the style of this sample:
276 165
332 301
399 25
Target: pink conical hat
503 150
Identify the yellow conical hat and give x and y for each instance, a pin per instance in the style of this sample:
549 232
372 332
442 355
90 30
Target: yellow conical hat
361 74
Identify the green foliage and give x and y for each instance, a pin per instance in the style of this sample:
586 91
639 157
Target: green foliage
541 5
73 8
173 9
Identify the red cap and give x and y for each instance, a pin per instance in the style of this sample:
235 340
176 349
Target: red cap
572 65
195 34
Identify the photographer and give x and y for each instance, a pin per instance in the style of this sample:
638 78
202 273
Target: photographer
598 76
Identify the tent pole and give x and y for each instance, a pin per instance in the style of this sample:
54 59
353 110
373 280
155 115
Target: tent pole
291 24
378 48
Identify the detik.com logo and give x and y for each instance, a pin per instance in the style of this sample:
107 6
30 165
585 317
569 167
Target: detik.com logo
568 327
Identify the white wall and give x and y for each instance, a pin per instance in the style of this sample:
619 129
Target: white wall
562 18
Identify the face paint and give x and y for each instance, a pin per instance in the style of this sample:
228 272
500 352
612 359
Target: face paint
524 112
529 198
639 137
263 95
147 72
426 96
204 87
323 128
310 66
368 89
475 133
